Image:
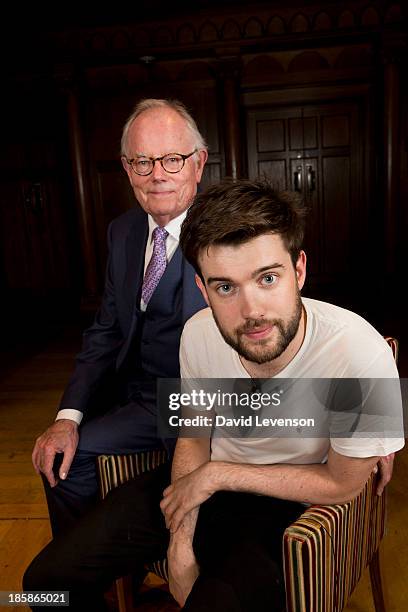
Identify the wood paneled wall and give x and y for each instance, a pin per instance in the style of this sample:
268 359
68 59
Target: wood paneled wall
309 94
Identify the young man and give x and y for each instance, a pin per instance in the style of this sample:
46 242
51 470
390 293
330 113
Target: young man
231 498
244 241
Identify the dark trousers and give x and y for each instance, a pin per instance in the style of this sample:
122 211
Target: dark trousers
238 545
124 429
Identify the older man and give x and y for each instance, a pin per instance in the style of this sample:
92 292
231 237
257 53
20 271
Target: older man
149 293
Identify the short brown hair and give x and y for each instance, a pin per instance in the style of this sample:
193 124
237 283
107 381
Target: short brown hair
232 213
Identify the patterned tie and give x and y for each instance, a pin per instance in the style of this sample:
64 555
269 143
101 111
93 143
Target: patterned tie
157 264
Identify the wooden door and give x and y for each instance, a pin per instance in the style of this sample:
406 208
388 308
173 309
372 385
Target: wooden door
318 151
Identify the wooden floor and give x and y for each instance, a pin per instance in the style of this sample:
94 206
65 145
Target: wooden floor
30 387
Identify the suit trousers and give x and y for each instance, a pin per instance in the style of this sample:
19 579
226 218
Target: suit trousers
237 543
124 429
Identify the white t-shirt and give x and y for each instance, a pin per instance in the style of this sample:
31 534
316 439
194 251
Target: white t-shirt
337 344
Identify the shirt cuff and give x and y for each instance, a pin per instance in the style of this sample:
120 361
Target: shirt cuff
69 413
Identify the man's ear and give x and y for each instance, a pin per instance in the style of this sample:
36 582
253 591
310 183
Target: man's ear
202 158
127 167
300 269
202 288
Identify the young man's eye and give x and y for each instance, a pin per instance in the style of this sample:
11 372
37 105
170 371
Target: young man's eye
224 289
269 279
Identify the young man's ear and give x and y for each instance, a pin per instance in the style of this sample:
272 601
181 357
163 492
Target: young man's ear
300 269
202 288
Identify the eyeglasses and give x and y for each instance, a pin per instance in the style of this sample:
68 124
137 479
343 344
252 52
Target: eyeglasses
172 163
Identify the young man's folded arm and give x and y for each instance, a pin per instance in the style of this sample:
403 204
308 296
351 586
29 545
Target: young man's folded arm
337 481
189 455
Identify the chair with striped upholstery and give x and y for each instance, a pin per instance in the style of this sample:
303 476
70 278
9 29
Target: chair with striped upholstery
324 552
327 549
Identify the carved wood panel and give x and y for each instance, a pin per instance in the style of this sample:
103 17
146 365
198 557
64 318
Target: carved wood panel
318 151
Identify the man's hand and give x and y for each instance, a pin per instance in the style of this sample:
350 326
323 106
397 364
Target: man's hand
186 493
183 571
61 437
385 467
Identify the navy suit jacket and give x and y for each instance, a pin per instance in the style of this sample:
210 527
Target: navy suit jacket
107 342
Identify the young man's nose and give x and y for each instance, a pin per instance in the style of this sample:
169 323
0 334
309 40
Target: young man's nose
252 306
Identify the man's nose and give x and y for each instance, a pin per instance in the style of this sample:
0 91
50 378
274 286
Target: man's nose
158 172
252 304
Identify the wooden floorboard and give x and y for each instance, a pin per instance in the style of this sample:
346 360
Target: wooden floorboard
20 541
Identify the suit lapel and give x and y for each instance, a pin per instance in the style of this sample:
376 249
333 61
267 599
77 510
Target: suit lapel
192 300
135 254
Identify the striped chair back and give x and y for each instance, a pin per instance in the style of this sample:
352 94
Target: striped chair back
326 550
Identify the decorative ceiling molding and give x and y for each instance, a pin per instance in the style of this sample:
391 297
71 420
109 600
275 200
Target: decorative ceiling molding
267 26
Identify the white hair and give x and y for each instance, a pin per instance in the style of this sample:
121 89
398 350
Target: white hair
153 103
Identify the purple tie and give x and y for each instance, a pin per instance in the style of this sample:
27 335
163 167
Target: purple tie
156 265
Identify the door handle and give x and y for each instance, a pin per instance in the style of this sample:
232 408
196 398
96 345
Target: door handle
311 182
297 178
